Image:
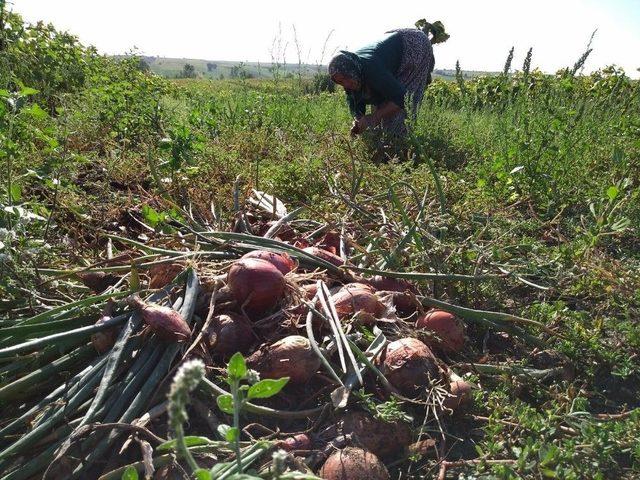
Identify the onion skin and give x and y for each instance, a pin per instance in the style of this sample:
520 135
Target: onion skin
257 286
409 365
98 282
357 286
378 437
282 261
103 341
353 464
461 395
301 441
161 275
229 333
405 304
447 327
358 301
325 255
165 322
330 242
290 357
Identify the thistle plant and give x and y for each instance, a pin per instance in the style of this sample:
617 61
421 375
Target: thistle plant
186 380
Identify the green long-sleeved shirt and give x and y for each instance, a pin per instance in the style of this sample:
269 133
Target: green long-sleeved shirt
380 64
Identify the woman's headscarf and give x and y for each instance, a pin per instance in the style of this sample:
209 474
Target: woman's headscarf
347 64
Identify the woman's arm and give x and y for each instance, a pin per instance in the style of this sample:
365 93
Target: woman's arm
384 111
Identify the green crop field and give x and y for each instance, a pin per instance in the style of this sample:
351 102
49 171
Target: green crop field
514 205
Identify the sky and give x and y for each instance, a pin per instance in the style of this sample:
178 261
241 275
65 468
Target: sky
482 32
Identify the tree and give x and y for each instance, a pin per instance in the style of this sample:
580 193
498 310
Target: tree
188 71
143 65
211 66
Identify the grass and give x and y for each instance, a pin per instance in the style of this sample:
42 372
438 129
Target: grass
540 182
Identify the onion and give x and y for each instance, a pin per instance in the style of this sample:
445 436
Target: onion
447 327
404 303
229 333
285 232
103 340
257 285
330 242
282 261
409 364
290 357
353 464
301 441
380 438
161 275
358 301
357 286
98 281
167 323
461 395
324 255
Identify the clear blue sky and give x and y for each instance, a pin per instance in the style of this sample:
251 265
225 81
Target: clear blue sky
481 31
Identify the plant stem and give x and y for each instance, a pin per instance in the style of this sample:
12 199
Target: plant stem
237 405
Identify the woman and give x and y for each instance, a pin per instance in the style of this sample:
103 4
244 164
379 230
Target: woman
387 74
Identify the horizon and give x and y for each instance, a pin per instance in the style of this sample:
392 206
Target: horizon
558 32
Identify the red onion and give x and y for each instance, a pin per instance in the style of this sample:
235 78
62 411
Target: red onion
257 286
409 365
461 395
167 323
353 464
290 357
405 303
229 333
447 327
358 301
324 255
380 438
330 242
301 441
98 282
103 340
161 275
282 261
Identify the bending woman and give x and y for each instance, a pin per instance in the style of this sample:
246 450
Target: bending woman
388 74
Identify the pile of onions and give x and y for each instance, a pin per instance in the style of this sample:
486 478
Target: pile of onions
447 327
165 322
360 301
290 357
257 286
229 333
282 261
353 464
381 438
325 255
409 365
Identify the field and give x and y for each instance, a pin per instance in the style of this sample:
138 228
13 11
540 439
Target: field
514 205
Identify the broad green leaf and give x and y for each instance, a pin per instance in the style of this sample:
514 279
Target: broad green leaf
225 403
25 92
612 193
151 215
202 474
36 111
237 367
223 429
232 435
16 192
267 388
130 473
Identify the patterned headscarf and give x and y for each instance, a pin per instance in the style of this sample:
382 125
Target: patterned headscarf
347 64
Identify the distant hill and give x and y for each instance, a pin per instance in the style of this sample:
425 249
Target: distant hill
215 69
